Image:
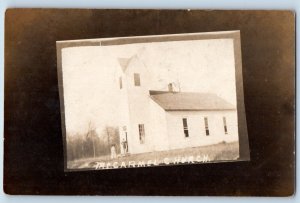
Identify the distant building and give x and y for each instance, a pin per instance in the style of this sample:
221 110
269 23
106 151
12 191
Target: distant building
163 120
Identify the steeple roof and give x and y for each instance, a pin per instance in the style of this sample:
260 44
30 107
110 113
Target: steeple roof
124 62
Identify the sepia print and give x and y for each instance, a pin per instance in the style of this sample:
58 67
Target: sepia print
152 100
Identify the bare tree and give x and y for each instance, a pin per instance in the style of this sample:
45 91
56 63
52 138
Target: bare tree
89 144
112 137
91 134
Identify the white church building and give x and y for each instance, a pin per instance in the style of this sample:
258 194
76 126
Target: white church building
164 120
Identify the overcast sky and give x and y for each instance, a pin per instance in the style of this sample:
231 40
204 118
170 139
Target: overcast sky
90 75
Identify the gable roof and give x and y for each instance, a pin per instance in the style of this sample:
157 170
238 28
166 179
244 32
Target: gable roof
189 101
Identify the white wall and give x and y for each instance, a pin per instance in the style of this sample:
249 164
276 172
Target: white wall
158 131
138 104
196 127
123 109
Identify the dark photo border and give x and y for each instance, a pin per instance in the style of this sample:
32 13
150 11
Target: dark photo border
33 144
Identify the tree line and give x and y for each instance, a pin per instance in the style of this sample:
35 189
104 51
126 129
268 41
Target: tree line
91 144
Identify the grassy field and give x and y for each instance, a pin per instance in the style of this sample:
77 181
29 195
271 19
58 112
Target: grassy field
212 153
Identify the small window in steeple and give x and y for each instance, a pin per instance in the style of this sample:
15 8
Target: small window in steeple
120 82
137 81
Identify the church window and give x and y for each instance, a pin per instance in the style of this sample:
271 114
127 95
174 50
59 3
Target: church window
137 80
225 125
206 126
141 133
185 127
120 82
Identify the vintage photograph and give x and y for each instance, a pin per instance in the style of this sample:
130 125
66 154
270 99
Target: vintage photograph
150 100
